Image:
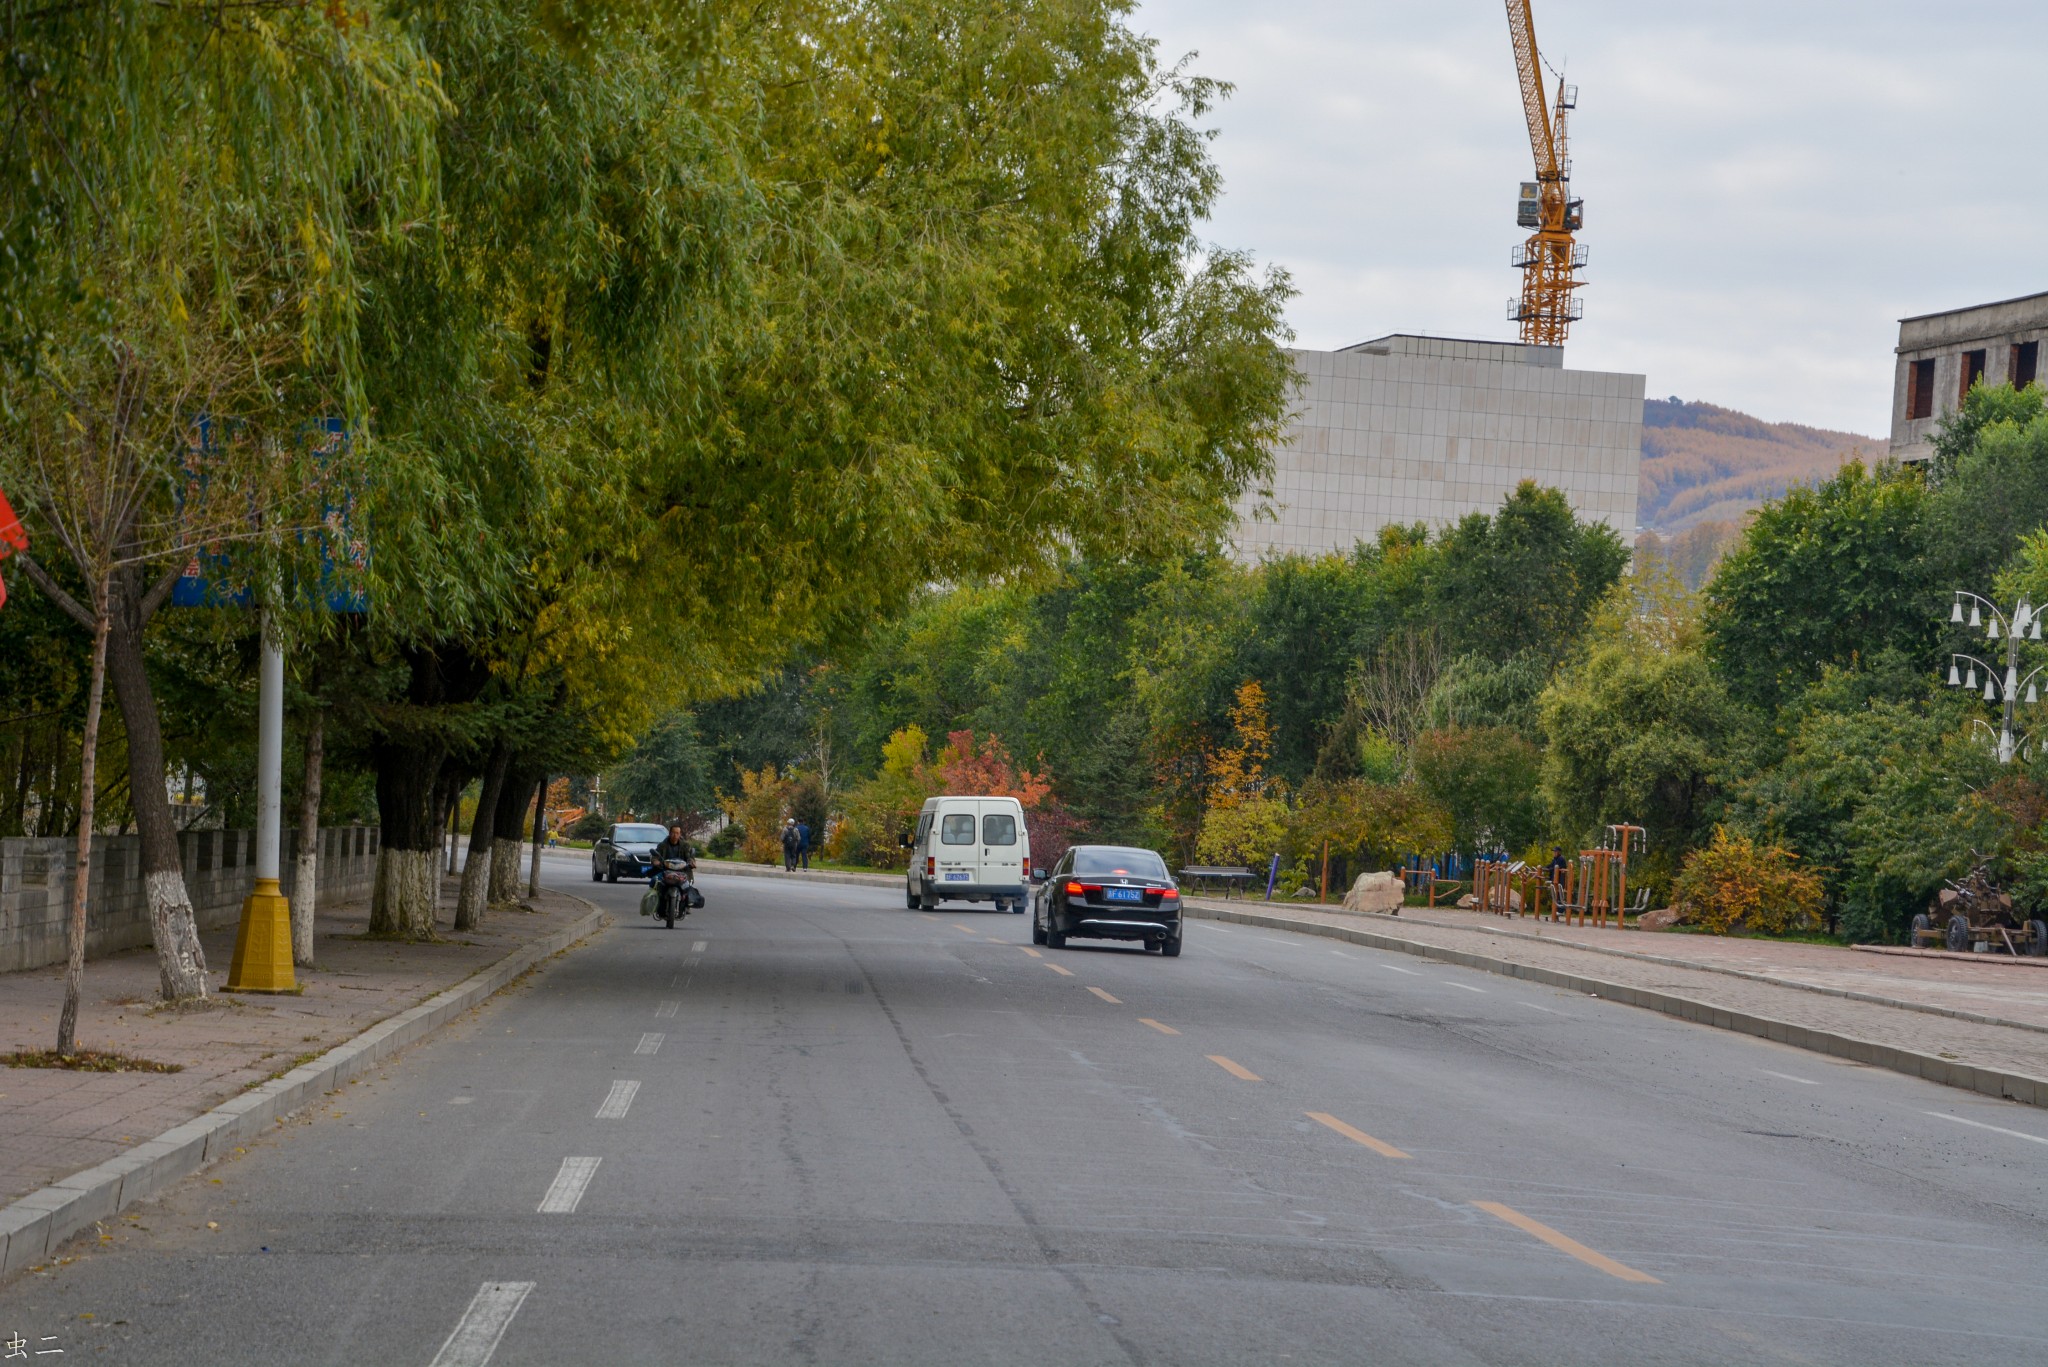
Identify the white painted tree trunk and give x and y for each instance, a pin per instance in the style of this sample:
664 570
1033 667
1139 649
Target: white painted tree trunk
504 869
476 885
404 895
307 870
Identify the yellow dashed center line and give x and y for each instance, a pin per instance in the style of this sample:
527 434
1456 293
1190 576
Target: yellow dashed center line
927 916
1105 996
1355 1135
1237 1070
1061 971
1032 952
969 929
1162 1029
1565 1244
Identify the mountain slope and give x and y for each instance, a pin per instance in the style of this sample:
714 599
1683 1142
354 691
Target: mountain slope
1704 463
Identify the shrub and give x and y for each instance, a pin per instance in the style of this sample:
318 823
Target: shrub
758 811
1734 884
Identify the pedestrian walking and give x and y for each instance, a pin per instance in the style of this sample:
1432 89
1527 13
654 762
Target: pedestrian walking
1558 864
803 842
789 845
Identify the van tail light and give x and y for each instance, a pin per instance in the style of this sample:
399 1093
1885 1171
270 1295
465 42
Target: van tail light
1076 890
931 865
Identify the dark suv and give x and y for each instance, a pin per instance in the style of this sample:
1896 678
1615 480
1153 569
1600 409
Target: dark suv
626 848
1108 892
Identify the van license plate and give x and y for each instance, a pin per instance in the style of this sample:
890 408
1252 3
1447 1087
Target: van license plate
958 877
1123 894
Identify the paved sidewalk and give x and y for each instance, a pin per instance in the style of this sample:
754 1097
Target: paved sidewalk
1802 986
54 1123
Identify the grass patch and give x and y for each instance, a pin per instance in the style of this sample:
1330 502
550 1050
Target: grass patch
87 1061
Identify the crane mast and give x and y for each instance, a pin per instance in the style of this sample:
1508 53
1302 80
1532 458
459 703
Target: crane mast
1550 259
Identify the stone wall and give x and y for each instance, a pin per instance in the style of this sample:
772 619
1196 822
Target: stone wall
35 886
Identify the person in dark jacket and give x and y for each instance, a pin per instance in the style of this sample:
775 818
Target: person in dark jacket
790 841
803 842
674 847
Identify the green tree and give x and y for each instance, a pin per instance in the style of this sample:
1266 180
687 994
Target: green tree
1639 734
1489 779
667 772
1826 575
1525 577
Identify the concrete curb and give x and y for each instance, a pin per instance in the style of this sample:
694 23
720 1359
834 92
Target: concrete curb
2032 1091
1845 994
34 1227
718 869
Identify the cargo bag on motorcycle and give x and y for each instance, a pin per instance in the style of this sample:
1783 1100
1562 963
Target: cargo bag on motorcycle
650 901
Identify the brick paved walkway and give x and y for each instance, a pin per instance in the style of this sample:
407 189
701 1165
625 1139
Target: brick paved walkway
54 1123
1702 968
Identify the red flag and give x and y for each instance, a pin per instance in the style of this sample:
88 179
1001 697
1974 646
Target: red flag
12 538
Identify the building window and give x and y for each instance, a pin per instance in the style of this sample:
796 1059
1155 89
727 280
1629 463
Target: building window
2026 362
1920 390
1973 371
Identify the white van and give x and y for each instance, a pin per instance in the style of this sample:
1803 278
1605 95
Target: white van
969 849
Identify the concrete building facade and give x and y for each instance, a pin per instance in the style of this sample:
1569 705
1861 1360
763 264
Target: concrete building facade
1940 355
1427 429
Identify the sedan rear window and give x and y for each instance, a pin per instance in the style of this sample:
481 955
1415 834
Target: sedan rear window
957 829
999 830
1118 863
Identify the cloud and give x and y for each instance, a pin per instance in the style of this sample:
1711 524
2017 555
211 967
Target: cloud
1769 186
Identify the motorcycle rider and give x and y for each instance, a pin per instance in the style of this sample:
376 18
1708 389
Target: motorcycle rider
673 847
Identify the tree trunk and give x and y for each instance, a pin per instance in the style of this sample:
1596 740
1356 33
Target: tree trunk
81 869
304 878
513 795
476 867
409 850
540 831
454 821
180 960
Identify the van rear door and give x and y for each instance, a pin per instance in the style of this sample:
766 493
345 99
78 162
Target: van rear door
956 845
1003 843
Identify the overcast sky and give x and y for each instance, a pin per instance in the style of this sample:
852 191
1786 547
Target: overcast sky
1769 187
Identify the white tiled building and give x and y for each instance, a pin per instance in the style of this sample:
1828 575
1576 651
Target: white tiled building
1426 429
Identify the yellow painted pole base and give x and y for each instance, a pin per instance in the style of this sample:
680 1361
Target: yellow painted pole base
263 944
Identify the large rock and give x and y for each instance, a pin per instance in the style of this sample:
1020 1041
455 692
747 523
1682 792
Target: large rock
1376 892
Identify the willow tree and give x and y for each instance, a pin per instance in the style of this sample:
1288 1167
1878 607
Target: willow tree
184 193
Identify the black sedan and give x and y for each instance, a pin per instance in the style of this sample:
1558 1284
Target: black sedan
1108 892
627 848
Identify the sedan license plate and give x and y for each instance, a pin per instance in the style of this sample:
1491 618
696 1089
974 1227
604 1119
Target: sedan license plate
958 877
1123 894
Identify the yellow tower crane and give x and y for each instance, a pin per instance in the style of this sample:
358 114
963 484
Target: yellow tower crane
1550 259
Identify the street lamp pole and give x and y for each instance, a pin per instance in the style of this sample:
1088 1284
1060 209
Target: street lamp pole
263 943
2022 623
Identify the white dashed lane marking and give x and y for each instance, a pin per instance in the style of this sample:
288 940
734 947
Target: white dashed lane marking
1409 971
700 946
666 1010
483 1324
1463 987
568 1187
618 1101
649 1042
1787 1077
1995 1129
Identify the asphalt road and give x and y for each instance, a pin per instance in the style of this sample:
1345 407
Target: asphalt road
809 1126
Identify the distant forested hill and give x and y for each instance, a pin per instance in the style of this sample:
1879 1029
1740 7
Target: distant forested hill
1703 463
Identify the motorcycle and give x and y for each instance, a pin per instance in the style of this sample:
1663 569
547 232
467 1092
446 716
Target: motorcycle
672 892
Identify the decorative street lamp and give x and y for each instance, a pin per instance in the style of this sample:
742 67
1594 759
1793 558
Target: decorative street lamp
2022 623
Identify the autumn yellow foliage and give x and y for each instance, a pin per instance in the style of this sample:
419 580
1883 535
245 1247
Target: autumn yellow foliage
1735 885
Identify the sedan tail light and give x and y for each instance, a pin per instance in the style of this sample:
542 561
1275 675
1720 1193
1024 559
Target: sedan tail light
1076 890
1169 894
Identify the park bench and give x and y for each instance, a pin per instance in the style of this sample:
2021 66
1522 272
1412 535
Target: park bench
1204 874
